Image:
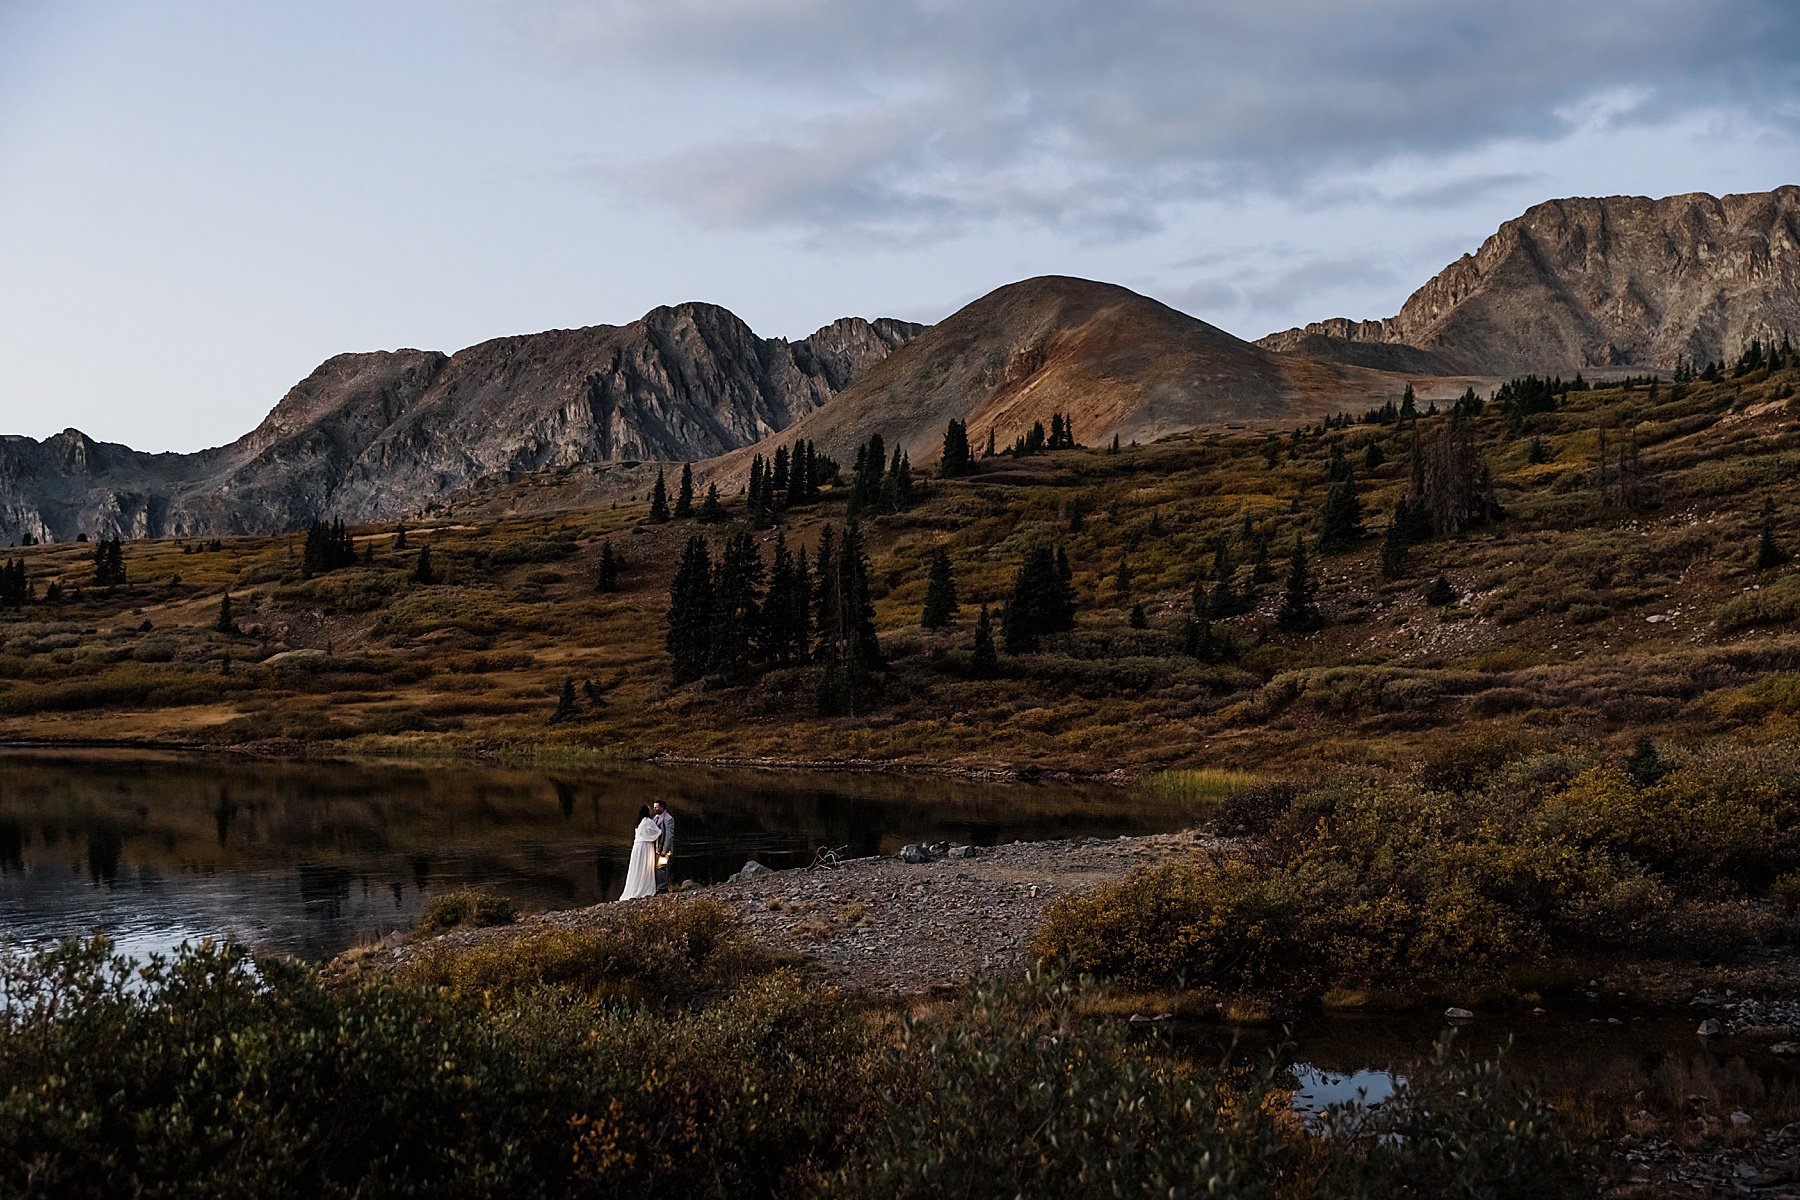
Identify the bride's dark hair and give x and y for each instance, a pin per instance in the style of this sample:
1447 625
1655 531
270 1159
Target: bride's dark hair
643 811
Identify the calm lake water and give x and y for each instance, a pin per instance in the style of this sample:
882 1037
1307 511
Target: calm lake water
309 858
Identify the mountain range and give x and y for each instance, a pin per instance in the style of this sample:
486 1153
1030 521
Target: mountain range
1617 282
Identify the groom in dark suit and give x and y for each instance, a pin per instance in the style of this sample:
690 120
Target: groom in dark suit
665 843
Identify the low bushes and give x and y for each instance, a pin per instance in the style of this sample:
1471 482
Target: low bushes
1508 857
207 1076
666 950
465 908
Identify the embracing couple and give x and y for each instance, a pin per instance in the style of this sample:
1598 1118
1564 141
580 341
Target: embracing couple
652 846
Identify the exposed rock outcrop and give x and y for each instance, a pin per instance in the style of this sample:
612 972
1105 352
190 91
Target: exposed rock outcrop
1618 281
380 435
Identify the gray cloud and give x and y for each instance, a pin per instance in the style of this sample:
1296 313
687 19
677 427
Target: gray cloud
909 118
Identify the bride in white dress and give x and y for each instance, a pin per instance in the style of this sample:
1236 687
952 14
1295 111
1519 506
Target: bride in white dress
640 880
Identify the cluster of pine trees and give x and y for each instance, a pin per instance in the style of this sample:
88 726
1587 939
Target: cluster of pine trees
328 548
794 476
1060 436
15 588
880 483
109 563
611 566
1042 601
740 615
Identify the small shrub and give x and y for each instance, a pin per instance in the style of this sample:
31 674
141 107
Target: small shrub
464 908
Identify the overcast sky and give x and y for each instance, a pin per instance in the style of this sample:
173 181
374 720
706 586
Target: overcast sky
201 200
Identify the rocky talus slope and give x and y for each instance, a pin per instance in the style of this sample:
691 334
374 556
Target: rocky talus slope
1617 281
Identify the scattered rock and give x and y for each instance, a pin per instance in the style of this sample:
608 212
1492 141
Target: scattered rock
1785 1048
750 870
1740 1118
1710 1028
965 852
1459 1014
915 853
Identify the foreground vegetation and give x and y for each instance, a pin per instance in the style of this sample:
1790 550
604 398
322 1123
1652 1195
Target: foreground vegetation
206 1076
1498 868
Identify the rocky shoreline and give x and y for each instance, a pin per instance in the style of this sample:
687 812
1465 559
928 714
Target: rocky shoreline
886 927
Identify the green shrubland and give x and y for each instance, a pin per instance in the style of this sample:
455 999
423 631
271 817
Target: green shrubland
207 1075
1494 858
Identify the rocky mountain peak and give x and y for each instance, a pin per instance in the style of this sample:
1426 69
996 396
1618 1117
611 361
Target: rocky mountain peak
1623 281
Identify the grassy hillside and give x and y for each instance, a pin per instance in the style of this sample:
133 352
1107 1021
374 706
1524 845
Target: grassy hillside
1576 619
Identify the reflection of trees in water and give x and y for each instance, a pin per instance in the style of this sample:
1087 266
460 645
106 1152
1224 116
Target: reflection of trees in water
12 845
565 797
421 870
324 889
105 845
224 812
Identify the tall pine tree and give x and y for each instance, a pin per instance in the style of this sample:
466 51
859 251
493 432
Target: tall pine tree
1299 605
659 498
689 636
940 593
684 496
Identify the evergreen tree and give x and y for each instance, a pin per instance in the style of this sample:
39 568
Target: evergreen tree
940 593
684 496
659 499
711 510
984 662
1043 601
800 608
422 572
1225 600
1260 570
1440 594
1768 550
1409 409
801 485
1115 445
225 623
689 637
1139 619
783 621
1122 576
109 563
1645 766
736 596
566 707
1537 450
1340 521
847 646
990 443
610 566
1396 543
1197 637
15 588
1373 457
779 475
1449 491
1337 467
1299 606
400 536
956 457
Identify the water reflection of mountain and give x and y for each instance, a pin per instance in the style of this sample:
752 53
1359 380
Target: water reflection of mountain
308 858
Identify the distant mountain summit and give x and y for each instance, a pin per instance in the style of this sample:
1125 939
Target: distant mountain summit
1618 281
1115 362
372 436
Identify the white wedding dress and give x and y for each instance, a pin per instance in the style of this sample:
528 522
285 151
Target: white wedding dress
640 880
